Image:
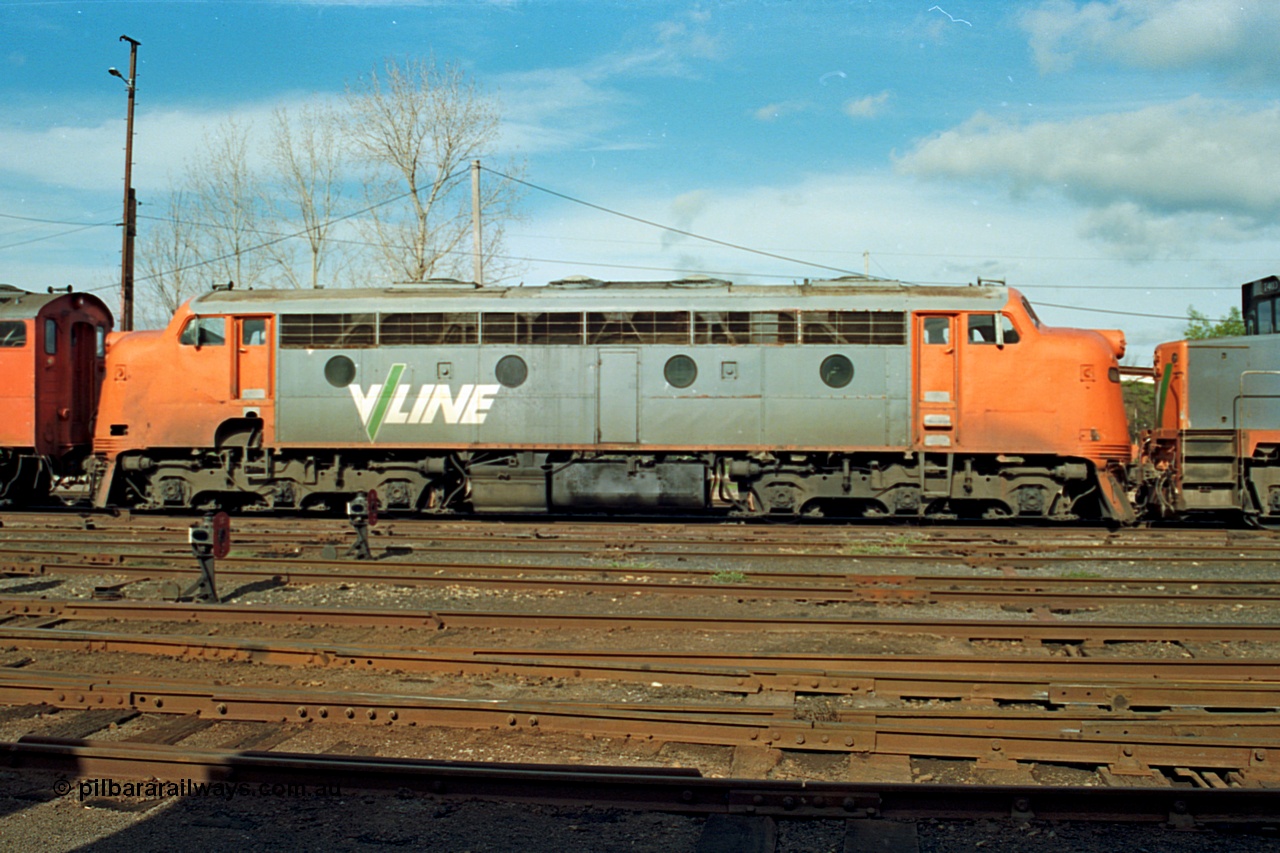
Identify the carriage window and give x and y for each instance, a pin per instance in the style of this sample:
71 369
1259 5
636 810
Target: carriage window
887 328
510 328
638 327
13 333
744 327
253 332
204 332
327 331
937 330
50 337
429 328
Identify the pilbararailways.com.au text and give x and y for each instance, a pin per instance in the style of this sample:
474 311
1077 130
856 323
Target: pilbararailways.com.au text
152 788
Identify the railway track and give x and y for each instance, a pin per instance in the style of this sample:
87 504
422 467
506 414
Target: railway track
648 641
567 536
1223 749
1059 632
1091 590
1128 715
1052 682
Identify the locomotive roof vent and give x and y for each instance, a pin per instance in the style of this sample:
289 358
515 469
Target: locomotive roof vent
437 282
700 281
576 281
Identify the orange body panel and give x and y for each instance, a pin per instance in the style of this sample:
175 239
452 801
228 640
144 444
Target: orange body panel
18 392
1050 391
1171 386
171 394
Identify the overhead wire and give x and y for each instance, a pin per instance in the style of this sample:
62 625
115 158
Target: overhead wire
278 238
670 228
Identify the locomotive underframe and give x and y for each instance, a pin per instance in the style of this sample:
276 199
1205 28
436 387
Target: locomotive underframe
793 483
26 477
1201 471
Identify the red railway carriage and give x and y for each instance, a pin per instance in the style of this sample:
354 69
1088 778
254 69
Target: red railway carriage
51 370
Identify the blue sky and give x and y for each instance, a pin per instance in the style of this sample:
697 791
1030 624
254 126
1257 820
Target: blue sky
1120 156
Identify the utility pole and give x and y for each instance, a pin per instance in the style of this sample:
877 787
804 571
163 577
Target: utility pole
130 200
477 257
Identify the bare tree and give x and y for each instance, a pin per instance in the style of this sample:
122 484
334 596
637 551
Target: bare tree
306 154
168 256
227 197
417 126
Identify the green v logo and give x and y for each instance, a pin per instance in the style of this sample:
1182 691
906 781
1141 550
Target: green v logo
373 407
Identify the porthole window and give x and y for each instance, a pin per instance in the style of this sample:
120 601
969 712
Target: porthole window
680 371
511 371
340 371
836 371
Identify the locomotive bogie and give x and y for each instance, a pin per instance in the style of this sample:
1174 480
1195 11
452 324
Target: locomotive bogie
265 480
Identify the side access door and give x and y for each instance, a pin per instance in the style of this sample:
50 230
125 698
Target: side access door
935 424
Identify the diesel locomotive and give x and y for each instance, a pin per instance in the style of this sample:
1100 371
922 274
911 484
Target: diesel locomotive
1215 449
845 397
52 358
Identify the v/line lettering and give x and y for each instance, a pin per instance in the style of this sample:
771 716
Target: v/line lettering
386 403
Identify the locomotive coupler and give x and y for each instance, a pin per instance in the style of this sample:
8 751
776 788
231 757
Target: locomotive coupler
210 540
362 512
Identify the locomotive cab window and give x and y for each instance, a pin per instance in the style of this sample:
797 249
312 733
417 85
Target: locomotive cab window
50 337
253 332
13 333
1260 319
204 332
937 330
991 329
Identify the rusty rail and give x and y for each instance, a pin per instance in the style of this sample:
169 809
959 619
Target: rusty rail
1219 684
1028 630
649 788
1240 749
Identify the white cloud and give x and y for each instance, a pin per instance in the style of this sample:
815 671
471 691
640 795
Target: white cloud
91 157
581 107
937 233
1236 36
1182 164
868 107
773 112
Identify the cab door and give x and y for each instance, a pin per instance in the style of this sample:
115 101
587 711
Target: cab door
252 375
936 425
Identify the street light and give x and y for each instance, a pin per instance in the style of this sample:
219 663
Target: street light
130 201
